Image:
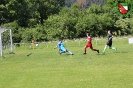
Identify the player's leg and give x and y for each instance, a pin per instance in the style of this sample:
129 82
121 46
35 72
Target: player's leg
33 45
62 50
93 49
104 50
107 44
110 47
113 48
85 49
69 52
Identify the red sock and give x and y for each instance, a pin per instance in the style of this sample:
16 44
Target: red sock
85 51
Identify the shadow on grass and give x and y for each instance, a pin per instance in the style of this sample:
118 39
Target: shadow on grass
122 52
29 54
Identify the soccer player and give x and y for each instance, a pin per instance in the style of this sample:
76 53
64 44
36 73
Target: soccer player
89 44
62 48
109 43
33 43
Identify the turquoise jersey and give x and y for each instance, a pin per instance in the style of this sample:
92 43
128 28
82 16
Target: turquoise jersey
61 46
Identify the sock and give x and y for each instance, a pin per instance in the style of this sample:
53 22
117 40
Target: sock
104 49
70 52
95 50
112 48
85 50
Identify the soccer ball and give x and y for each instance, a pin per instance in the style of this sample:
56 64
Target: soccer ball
37 45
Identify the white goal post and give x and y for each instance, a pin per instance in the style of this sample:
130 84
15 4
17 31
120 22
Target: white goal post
3 29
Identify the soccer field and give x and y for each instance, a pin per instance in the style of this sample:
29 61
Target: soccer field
44 67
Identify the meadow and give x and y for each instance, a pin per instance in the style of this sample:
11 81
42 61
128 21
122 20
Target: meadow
44 67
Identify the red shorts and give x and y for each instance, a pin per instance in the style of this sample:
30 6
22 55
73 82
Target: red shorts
89 45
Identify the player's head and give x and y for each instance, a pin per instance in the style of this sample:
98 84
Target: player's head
109 31
88 34
60 40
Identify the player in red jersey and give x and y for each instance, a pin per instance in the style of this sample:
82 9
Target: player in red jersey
89 44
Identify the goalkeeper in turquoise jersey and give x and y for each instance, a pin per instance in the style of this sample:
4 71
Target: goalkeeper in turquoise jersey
62 48
109 43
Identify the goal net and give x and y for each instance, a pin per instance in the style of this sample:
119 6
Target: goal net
6 44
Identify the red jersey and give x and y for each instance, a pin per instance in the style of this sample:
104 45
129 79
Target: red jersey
89 39
89 44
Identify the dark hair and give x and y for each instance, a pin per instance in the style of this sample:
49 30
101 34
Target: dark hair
110 31
88 34
60 39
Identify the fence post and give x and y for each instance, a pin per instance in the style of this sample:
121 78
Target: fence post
11 46
1 51
79 42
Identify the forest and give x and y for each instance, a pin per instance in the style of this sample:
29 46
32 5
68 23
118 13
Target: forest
46 20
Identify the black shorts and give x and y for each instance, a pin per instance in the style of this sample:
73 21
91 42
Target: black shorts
109 43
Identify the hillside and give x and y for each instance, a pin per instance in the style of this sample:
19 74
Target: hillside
86 2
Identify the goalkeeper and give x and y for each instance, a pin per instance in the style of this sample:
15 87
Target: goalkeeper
62 48
109 43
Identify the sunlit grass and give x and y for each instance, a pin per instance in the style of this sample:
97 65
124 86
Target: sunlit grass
45 68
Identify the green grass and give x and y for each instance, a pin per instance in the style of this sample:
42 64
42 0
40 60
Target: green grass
45 68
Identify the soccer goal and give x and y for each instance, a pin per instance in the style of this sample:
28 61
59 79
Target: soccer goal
5 42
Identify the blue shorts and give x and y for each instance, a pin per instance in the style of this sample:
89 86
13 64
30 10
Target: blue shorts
62 49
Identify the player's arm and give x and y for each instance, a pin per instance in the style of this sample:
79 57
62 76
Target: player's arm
87 35
111 37
56 46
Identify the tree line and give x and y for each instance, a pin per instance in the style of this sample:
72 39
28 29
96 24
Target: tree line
46 20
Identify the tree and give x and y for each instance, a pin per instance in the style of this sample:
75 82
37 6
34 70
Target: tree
47 7
96 9
3 11
16 31
18 10
123 26
63 25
